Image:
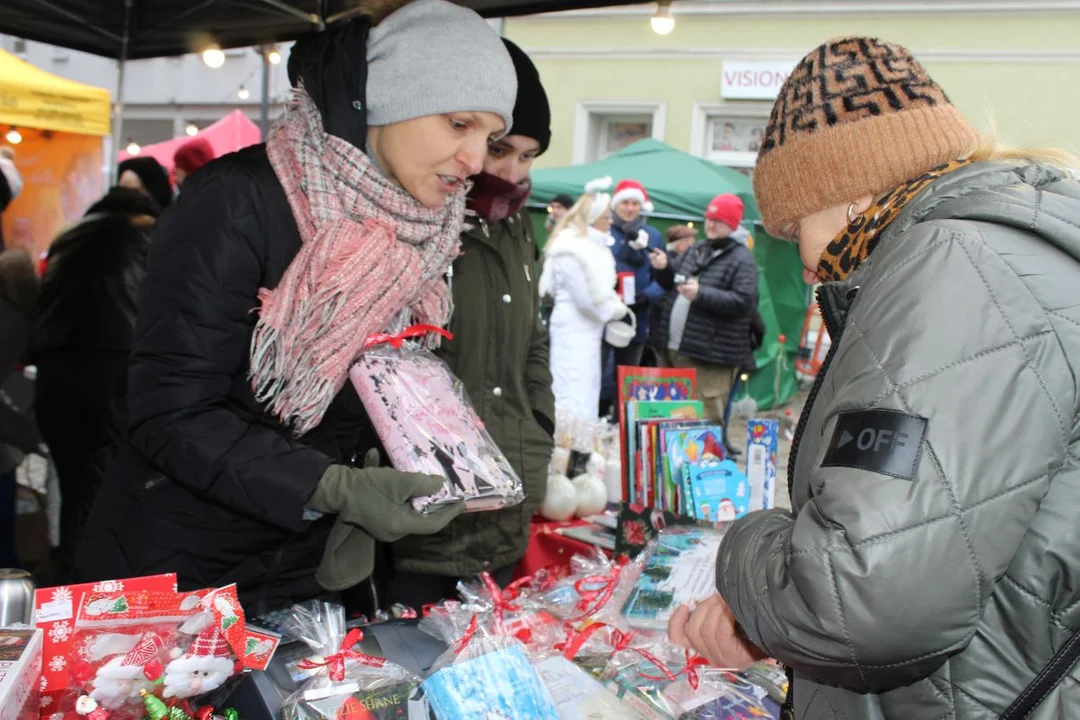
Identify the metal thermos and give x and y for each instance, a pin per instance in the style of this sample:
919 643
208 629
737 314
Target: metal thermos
16 597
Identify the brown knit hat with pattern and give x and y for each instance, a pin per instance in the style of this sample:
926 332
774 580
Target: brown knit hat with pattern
858 116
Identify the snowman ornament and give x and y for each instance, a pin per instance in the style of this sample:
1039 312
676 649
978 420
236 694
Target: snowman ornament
205 666
119 681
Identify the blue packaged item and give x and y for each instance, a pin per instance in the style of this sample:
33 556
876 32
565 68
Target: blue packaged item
497 685
720 491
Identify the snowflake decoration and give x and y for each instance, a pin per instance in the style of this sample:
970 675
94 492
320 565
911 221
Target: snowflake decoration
60 632
60 594
44 683
109 586
56 716
57 664
46 701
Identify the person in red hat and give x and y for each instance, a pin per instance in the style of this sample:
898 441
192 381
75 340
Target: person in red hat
635 243
190 157
707 323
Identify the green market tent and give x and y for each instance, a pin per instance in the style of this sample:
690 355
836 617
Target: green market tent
680 187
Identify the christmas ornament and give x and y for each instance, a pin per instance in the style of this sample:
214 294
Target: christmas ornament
158 710
206 665
590 494
561 500
88 707
122 678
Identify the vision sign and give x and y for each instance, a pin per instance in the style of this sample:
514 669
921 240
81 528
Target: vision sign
754 80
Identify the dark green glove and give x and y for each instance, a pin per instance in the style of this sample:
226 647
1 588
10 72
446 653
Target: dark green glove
377 500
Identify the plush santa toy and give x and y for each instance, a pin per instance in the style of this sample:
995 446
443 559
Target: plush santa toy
119 681
206 665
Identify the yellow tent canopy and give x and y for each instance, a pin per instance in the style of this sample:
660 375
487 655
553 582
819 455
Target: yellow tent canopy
33 98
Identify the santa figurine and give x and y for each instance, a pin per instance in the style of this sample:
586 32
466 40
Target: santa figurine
206 665
119 681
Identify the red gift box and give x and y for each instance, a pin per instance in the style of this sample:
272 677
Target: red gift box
54 614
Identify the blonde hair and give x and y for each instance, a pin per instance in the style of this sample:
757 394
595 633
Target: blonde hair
577 217
990 147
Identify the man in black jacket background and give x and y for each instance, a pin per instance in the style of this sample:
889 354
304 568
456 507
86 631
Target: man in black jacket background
706 324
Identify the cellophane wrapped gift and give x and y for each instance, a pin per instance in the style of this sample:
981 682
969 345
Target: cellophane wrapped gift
344 682
427 425
482 676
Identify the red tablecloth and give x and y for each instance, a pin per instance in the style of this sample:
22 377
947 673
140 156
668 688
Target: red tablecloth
548 548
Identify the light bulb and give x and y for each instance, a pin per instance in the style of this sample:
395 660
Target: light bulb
213 56
243 93
690 225
133 148
662 23
274 57
192 130
13 136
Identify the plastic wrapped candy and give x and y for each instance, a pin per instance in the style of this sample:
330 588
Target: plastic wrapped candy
344 682
482 677
594 591
513 612
427 425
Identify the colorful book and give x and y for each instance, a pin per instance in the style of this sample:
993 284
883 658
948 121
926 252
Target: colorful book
692 445
648 385
672 483
641 415
720 492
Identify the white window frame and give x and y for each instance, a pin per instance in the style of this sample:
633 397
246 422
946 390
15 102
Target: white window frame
589 111
699 129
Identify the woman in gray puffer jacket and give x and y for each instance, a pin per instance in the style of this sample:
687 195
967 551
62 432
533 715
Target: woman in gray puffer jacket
929 567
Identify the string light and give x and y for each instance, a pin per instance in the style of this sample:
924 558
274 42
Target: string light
274 57
13 136
213 56
192 130
662 23
133 148
243 93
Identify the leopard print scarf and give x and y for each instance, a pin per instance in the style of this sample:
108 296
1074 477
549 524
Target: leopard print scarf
858 240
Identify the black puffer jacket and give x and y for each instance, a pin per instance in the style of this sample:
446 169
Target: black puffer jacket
89 294
718 326
208 485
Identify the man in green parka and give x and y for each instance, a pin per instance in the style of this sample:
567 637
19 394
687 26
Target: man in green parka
500 352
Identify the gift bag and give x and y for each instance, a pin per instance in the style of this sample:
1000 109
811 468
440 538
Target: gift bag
344 683
427 425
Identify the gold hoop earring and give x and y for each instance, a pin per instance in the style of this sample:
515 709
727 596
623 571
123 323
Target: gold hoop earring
851 216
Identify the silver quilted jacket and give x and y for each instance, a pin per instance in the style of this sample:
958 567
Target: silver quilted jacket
942 591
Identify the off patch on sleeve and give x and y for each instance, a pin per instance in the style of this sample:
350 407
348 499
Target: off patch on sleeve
882 441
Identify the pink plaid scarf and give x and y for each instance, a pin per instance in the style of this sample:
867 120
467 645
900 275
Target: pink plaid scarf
373 260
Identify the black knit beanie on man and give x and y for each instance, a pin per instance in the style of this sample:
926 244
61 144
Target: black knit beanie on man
153 178
532 114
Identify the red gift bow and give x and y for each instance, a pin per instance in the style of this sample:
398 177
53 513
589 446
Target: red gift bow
621 641
470 631
336 662
500 601
396 341
576 641
592 601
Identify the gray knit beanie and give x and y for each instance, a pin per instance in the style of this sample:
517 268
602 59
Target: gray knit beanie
433 57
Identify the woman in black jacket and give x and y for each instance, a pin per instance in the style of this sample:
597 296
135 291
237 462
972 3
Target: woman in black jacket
245 439
82 337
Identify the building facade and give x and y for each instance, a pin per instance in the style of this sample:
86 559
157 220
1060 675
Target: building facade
708 86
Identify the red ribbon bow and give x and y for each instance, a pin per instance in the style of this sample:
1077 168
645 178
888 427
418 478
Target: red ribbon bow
336 662
500 600
396 341
470 631
594 599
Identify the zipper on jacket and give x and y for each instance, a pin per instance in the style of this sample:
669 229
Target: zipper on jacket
800 428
